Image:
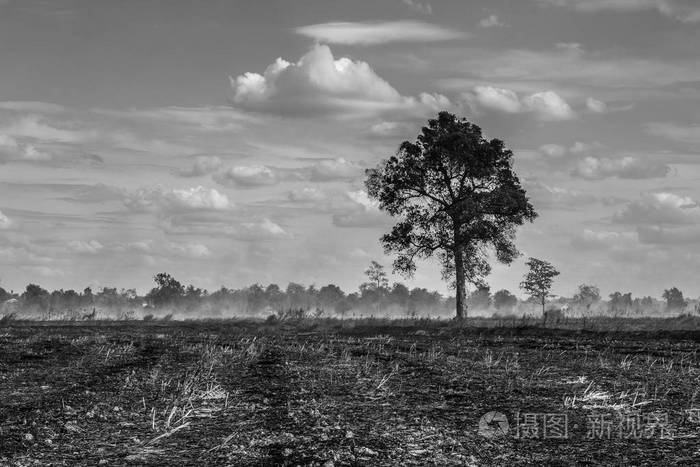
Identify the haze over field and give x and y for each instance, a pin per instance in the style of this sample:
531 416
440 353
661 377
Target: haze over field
227 144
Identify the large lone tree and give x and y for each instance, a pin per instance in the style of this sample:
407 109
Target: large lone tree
456 196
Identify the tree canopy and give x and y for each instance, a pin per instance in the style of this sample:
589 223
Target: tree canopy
539 279
456 196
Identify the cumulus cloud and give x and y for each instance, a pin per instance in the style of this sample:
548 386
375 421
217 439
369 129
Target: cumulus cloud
491 21
90 247
367 33
202 165
596 168
682 10
177 200
5 222
247 176
319 84
659 209
503 100
546 105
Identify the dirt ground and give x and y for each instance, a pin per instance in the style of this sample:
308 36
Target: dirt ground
332 393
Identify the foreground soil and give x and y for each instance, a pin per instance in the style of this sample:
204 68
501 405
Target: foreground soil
331 393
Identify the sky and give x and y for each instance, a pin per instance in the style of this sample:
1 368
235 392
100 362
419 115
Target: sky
225 142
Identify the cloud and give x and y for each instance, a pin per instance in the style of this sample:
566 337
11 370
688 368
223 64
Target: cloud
491 21
595 240
203 165
34 127
262 230
546 105
247 176
681 133
572 69
318 84
687 11
333 169
629 167
596 106
361 212
554 151
5 222
669 236
326 170
368 33
503 100
388 129
31 106
177 200
189 250
551 196
660 208
11 149
306 194
421 7
91 247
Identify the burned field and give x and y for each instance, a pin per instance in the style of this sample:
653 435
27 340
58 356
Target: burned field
332 393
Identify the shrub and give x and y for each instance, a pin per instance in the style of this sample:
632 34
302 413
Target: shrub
6 319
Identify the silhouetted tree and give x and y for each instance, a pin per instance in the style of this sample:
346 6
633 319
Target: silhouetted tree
504 300
480 298
376 275
329 296
587 295
4 295
167 291
456 196
539 280
36 296
620 302
674 299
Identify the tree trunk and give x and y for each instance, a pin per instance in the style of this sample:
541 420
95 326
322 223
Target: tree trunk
460 282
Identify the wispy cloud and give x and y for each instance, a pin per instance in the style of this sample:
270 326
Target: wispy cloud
369 33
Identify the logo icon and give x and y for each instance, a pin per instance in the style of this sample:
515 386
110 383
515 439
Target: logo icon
493 424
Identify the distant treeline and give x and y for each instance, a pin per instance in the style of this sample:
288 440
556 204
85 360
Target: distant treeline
374 298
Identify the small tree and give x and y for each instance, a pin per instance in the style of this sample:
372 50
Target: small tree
587 295
168 291
456 196
504 300
674 299
376 275
620 303
538 281
480 298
